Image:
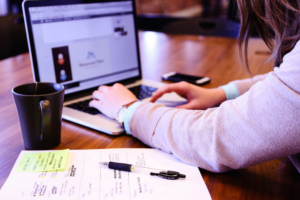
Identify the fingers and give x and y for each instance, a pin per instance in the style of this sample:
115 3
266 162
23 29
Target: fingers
161 91
118 85
188 106
103 88
95 104
179 88
98 95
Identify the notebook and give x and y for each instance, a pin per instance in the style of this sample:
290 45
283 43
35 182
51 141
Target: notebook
83 44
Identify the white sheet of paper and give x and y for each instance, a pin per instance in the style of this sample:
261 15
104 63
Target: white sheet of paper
85 178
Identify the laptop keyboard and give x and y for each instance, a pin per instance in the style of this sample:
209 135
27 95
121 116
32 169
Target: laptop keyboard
84 107
140 91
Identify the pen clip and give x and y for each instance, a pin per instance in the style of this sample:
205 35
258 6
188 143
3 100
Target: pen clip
170 175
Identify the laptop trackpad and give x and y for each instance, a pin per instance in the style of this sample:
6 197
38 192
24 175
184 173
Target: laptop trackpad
171 100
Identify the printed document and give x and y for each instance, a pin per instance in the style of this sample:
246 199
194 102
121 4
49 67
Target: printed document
85 178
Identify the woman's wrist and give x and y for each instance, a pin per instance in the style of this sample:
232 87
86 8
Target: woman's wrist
129 115
219 96
231 91
122 112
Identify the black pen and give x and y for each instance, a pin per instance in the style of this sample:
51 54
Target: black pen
170 175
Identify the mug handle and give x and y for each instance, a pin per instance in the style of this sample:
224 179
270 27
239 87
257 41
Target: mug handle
46 120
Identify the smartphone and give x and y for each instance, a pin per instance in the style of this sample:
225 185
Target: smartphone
177 77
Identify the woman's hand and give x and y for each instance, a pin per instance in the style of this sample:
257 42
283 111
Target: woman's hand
109 100
198 97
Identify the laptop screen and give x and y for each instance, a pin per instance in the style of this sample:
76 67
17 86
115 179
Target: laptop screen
84 45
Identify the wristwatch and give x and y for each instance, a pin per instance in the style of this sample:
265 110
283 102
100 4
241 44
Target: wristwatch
122 111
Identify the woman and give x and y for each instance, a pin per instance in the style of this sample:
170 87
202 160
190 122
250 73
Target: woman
258 119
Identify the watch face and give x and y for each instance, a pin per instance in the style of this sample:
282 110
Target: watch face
121 114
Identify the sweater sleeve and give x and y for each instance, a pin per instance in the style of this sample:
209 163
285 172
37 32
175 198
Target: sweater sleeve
236 88
260 125
245 84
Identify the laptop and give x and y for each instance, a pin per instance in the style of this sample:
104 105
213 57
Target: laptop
83 44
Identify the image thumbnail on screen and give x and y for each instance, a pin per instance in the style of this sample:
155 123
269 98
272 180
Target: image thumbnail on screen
62 65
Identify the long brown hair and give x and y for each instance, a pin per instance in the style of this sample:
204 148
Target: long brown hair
276 21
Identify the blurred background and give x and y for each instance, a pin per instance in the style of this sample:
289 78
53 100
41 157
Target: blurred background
12 30
175 8
183 8
200 17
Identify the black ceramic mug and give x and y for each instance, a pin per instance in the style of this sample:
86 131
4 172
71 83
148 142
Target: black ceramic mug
39 107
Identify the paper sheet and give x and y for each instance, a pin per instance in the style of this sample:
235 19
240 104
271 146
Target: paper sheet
45 161
85 178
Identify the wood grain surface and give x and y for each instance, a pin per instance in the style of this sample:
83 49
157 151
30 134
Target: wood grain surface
217 58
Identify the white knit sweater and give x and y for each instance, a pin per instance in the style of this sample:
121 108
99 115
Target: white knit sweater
262 124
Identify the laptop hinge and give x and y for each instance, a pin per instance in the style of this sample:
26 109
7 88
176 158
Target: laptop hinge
127 82
77 95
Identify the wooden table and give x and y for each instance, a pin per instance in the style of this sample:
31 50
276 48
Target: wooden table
217 58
